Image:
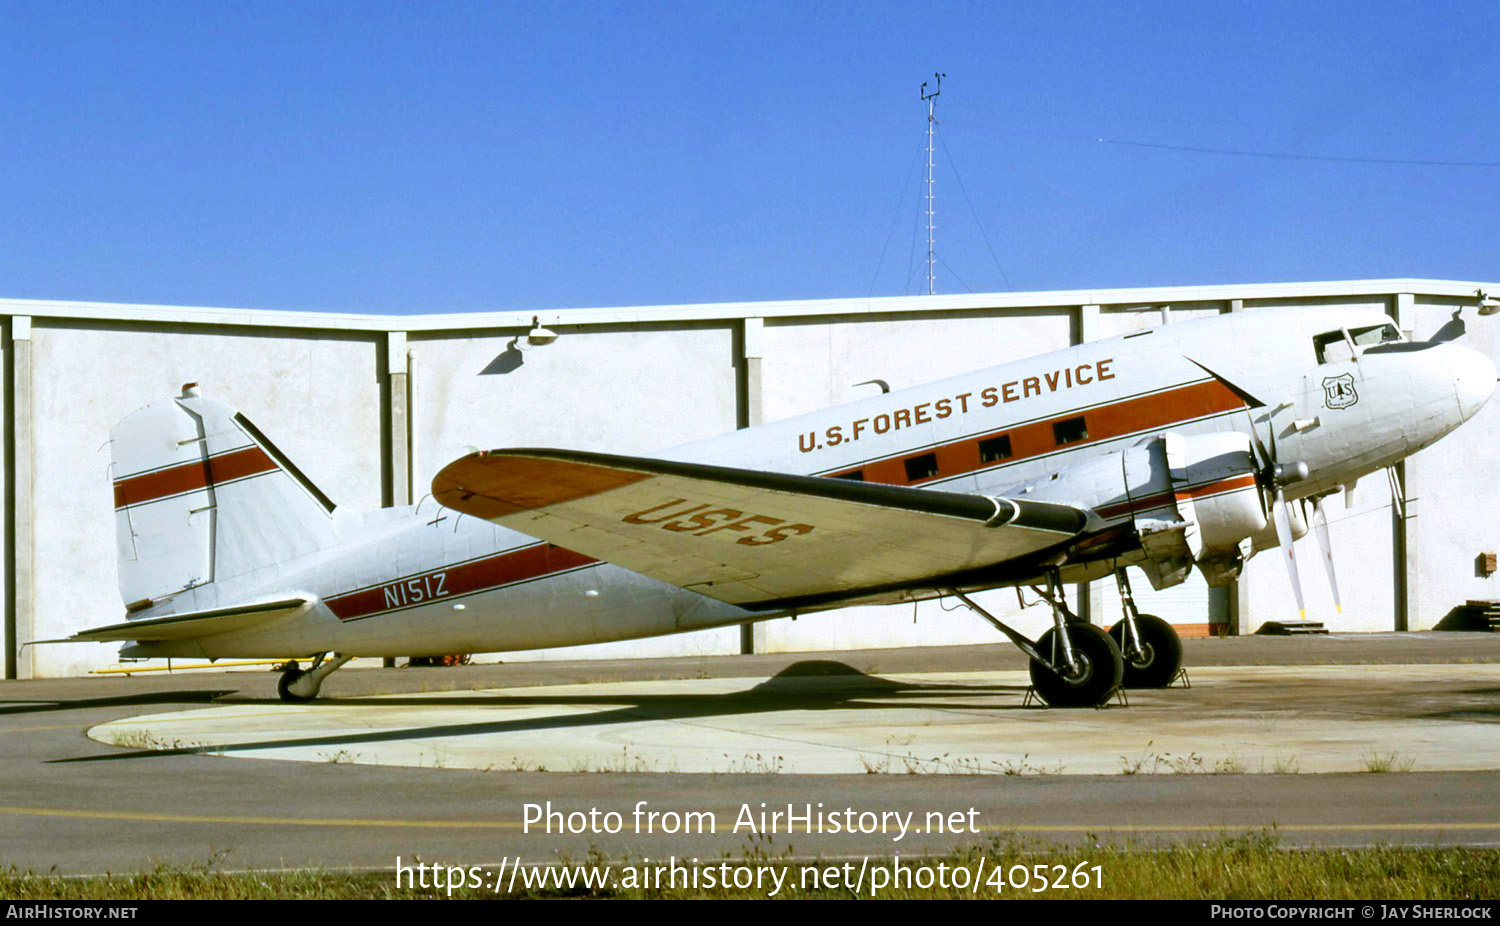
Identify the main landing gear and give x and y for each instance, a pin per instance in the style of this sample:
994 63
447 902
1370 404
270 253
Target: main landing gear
1149 645
297 685
1075 664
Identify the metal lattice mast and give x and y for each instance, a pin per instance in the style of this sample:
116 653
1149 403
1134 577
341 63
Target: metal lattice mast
931 100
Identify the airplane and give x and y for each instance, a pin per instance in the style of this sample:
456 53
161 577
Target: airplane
1197 443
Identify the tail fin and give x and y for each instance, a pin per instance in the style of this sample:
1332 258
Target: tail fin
202 496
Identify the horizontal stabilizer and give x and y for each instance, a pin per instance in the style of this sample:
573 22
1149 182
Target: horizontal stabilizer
193 624
748 537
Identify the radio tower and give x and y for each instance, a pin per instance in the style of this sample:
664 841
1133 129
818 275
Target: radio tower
931 100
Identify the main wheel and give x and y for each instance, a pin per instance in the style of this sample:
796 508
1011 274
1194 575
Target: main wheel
1100 668
284 686
1161 652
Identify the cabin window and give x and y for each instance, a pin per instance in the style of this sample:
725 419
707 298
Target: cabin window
854 475
922 467
995 449
1070 431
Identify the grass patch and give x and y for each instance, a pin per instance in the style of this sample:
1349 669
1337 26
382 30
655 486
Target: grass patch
138 738
1285 766
1152 763
1244 867
1377 762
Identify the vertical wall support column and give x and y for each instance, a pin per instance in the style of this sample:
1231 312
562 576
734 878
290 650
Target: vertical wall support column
398 426
751 413
1404 523
753 346
399 421
1089 327
20 612
1237 594
1088 598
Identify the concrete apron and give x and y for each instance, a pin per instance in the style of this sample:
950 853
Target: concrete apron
826 718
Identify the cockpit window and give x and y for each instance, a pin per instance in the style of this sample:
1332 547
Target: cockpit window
1374 335
1332 347
1335 346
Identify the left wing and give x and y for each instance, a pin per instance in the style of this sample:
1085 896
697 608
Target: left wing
747 537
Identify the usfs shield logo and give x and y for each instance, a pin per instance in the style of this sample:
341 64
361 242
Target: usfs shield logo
1338 391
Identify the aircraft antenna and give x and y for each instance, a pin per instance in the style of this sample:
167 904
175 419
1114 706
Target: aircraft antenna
931 100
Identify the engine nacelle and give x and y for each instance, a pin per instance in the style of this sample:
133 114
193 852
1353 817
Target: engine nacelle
1267 539
1205 479
1192 499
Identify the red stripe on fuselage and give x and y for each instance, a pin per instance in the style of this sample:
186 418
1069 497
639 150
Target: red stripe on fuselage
191 477
1036 438
508 568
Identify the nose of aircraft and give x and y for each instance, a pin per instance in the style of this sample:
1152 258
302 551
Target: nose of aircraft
1473 378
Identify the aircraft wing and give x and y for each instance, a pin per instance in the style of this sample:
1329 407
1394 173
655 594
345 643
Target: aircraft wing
190 625
750 538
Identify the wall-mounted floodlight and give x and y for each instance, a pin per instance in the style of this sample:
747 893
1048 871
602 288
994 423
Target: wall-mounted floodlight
536 337
1488 305
539 335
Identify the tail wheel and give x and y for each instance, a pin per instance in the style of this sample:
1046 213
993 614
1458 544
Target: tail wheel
1160 657
284 686
1099 672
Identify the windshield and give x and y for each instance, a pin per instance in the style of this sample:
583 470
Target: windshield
1374 335
1333 346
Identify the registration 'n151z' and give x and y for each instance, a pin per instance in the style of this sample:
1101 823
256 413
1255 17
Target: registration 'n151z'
415 590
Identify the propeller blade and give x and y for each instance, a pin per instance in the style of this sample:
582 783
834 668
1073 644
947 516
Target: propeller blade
1265 456
1274 499
1398 491
1288 547
1325 546
1263 464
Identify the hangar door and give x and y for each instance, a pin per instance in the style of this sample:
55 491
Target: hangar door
1192 607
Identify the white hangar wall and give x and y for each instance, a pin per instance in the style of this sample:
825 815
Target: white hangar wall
372 406
1453 490
310 392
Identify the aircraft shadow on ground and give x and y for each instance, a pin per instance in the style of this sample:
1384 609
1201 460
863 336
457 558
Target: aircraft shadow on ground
1473 713
814 685
205 696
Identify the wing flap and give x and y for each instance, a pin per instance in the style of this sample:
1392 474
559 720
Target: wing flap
193 623
745 536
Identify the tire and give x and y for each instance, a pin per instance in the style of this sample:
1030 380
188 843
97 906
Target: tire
1163 652
284 687
1102 669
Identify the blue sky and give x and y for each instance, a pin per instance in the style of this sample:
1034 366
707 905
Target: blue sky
381 157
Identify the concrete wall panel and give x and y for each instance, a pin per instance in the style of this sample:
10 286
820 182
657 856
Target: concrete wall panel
318 399
943 622
1115 323
1456 484
1362 553
814 364
632 390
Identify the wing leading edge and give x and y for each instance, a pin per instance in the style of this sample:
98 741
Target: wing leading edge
747 537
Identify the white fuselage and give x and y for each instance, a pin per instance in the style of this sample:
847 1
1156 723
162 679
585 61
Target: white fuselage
427 580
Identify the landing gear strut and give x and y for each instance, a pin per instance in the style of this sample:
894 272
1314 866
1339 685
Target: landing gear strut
297 685
1074 664
1150 646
